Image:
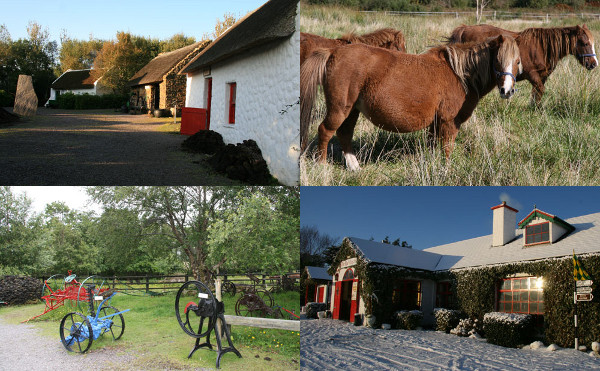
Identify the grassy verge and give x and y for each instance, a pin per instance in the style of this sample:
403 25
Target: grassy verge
503 143
154 337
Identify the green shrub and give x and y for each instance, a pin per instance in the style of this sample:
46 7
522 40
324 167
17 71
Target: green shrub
87 101
6 99
408 320
446 319
508 329
52 103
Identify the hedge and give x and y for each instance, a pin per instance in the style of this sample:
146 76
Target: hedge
408 320
6 99
446 319
508 329
87 101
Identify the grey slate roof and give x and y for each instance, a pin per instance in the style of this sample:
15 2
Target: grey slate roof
585 239
376 252
318 273
275 20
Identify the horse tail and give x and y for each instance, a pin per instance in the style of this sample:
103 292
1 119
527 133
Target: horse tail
312 74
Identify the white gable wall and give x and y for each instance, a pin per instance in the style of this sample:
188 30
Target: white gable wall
267 81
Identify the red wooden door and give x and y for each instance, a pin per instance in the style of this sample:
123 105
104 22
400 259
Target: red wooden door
336 301
320 294
354 302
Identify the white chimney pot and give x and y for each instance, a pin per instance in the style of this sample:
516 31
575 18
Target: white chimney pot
505 221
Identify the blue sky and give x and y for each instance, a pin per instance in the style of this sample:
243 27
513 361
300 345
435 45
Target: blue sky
102 19
430 216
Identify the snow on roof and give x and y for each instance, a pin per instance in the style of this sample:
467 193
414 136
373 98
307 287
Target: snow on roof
318 273
377 252
479 251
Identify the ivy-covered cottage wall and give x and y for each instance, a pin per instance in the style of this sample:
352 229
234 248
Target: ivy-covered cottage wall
476 294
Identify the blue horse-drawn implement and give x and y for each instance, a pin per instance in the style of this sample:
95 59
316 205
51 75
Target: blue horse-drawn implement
77 331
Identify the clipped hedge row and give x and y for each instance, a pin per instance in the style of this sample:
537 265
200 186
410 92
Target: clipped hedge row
508 329
408 320
87 101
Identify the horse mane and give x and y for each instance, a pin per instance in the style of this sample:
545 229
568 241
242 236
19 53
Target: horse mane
471 61
380 38
556 42
456 35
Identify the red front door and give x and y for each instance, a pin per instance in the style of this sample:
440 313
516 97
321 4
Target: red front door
337 299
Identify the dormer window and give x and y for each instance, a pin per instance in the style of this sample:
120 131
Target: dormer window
537 233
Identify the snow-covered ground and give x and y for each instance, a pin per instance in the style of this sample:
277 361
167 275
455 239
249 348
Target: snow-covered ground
336 345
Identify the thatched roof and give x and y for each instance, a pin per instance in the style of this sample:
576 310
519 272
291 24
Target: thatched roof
157 68
275 20
74 79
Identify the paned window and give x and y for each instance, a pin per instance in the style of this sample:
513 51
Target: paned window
521 295
537 233
232 97
406 295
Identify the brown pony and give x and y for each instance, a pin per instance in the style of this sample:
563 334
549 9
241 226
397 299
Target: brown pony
541 49
387 38
404 92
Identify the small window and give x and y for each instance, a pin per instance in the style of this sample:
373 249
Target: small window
406 295
349 275
232 97
444 295
537 233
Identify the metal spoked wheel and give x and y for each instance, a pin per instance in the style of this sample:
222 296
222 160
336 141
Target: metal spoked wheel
196 309
229 288
54 283
82 294
254 304
76 332
117 326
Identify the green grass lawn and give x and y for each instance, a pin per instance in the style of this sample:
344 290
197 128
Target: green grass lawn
154 336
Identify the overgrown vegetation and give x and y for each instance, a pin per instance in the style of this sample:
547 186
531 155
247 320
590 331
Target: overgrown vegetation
503 143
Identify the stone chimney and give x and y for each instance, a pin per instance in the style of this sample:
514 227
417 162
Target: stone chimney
505 222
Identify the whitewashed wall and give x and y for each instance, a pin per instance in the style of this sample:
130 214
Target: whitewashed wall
267 80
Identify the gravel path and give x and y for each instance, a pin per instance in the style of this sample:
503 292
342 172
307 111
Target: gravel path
22 347
60 147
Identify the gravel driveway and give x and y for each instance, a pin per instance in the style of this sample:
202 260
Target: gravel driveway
63 147
23 348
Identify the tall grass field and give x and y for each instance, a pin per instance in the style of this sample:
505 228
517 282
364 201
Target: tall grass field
505 142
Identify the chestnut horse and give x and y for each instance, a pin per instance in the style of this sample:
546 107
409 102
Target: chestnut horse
404 92
387 38
541 49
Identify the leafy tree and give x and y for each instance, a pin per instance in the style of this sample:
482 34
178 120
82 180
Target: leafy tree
118 61
68 239
77 54
34 56
256 236
15 213
221 26
176 41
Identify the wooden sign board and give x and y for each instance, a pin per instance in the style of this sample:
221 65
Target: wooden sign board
584 290
585 297
584 283
348 263
354 290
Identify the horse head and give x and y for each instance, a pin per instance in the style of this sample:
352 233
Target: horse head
506 64
584 47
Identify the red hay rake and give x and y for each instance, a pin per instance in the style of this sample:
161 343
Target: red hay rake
58 288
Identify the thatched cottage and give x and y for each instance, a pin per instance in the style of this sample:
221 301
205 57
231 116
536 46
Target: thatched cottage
157 85
246 85
77 82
